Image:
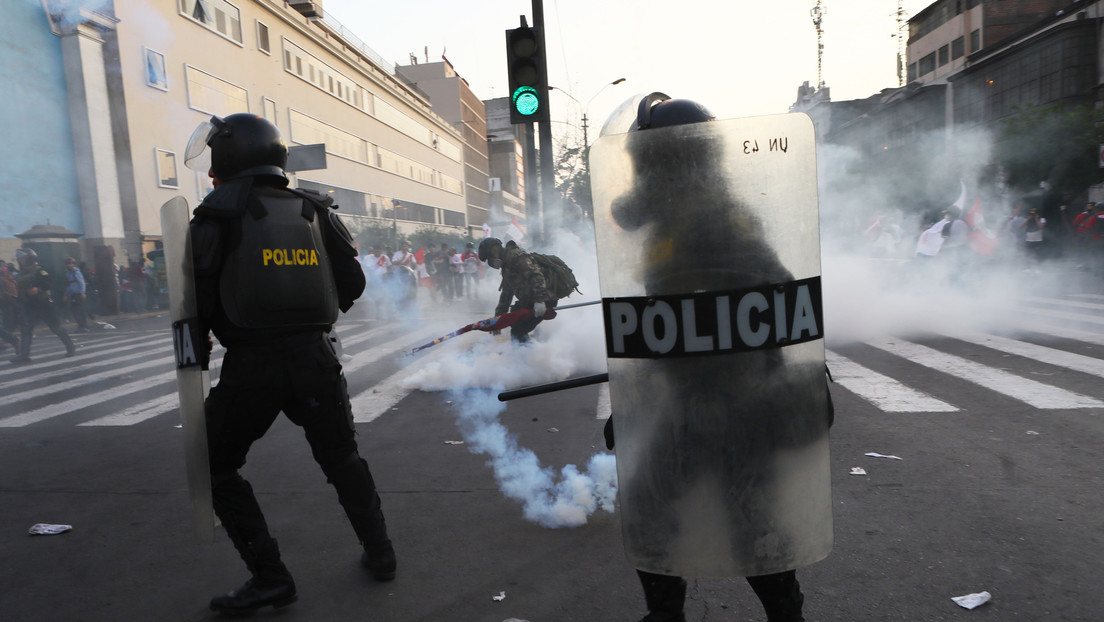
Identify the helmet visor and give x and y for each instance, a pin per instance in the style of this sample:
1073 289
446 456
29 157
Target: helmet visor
197 156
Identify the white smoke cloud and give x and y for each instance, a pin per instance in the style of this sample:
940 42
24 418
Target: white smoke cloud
877 287
549 499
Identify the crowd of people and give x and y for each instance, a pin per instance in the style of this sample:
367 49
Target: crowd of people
396 276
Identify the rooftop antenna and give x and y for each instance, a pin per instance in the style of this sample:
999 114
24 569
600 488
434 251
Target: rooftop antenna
902 41
818 13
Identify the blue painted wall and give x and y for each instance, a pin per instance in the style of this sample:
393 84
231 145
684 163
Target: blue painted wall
37 168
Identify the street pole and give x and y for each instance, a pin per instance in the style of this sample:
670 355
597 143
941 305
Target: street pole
547 174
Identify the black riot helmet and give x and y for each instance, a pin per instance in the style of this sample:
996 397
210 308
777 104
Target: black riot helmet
26 256
241 144
486 246
659 110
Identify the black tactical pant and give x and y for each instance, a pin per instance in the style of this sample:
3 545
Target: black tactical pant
779 593
302 378
43 310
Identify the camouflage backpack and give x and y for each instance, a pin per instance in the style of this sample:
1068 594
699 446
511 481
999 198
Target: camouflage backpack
559 277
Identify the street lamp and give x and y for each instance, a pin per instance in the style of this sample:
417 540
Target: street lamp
587 107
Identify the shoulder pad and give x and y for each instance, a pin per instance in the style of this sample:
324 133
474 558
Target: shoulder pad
343 240
314 196
226 201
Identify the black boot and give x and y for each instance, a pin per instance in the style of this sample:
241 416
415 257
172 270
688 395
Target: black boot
781 596
665 596
270 585
379 560
356 491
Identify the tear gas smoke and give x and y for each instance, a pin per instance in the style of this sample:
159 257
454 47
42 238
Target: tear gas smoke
874 285
548 499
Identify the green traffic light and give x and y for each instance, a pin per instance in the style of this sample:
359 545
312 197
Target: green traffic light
526 101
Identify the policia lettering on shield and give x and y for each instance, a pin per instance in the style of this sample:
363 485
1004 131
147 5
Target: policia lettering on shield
710 272
272 268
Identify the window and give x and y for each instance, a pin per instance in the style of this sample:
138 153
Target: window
927 64
216 15
262 38
166 169
975 41
209 94
269 108
155 70
944 55
911 72
309 131
958 48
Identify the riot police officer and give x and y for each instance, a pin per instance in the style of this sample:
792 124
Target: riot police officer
273 266
33 284
698 243
521 278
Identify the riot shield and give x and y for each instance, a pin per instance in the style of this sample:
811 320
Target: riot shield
709 264
193 381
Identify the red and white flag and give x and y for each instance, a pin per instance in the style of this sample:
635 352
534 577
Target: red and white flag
982 239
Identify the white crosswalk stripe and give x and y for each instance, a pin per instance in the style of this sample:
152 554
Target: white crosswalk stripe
881 390
135 370
1026 390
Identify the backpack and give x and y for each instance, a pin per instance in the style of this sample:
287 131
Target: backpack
559 277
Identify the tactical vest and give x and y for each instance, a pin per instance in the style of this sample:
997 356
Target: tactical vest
279 273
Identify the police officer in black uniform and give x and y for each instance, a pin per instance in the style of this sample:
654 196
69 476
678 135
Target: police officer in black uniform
273 266
33 284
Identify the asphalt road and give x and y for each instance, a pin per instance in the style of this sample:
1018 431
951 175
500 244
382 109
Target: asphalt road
998 495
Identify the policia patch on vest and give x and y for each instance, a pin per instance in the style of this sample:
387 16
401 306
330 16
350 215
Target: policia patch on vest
710 323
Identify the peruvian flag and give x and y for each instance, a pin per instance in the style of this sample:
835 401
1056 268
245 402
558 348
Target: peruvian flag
982 239
423 275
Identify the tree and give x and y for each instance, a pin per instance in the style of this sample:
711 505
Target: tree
1055 144
573 179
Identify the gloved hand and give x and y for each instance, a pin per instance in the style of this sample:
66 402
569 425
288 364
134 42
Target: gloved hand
539 309
496 332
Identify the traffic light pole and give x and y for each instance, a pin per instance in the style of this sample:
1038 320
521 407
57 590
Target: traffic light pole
547 177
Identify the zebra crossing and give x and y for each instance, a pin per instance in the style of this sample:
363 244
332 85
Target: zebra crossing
131 374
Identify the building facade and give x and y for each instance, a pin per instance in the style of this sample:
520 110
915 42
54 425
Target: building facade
119 89
454 101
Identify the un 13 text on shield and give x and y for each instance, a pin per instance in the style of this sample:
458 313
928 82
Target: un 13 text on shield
699 324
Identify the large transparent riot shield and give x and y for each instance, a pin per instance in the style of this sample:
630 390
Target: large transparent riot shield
709 263
193 381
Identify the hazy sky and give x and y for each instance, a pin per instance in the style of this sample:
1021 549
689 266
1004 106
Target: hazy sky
738 58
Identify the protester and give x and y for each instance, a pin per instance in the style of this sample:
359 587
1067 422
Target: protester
470 259
521 278
75 294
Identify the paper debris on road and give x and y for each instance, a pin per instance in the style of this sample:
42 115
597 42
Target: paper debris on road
553 429
877 455
454 442
44 529
970 601
858 471
1032 433
501 596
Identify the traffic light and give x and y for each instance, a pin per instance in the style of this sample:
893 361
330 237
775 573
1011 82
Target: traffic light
528 82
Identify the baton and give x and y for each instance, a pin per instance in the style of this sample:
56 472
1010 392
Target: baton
577 304
541 389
